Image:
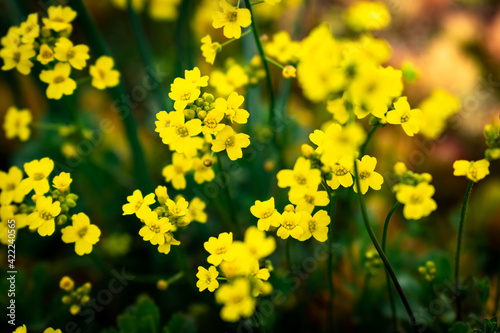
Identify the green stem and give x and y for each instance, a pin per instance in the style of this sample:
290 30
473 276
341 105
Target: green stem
175 278
331 208
275 63
388 280
230 202
256 3
145 52
235 39
83 80
264 62
288 253
47 126
459 247
118 93
370 134
381 253
497 298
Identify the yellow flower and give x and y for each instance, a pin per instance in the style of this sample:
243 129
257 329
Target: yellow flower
207 279
45 55
9 184
169 241
17 123
43 216
196 210
338 109
367 175
177 208
179 133
164 9
301 175
366 15
474 170
219 248
51 330
283 48
306 198
236 299
257 244
289 72
417 200
341 173
18 57
194 76
315 226
137 204
66 283
62 182
232 19
231 108
37 171
290 225
436 109
232 142
183 92
59 81
60 18
103 74
212 122
161 194
21 329
30 29
266 213
402 115
175 172
209 49
202 172
82 233
75 55
154 229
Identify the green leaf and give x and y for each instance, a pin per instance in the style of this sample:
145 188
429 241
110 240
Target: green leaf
459 328
483 288
180 323
490 325
143 317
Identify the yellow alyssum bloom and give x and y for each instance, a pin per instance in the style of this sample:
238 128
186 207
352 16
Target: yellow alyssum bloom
231 108
59 81
283 48
103 74
163 121
207 278
474 170
169 241
183 92
266 213
82 233
137 204
306 198
289 72
154 229
219 248
9 184
409 119
232 19
196 210
212 122
43 216
236 299
45 54
341 174
368 177
51 330
202 172
62 182
290 225
301 175
209 49
179 133
194 76
37 171
232 142
368 16
176 171
16 123
75 55
30 29
417 200
177 208
436 109
21 329
18 57
59 18
338 109
164 9
257 244
66 283
315 226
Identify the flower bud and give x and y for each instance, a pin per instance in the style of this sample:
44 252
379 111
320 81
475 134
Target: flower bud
289 72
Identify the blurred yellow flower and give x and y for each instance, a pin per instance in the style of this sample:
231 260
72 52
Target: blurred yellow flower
366 15
103 74
474 170
45 54
9 184
37 171
75 55
301 175
18 57
176 171
59 81
66 283
59 18
368 177
16 123
30 29
417 200
209 49
236 299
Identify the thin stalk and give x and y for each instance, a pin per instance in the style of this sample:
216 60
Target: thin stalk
459 247
370 134
263 57
83 80
230 202
145 51
256 3
381 253
497 297
389 288
118 93
175 278
235 39
331 208
275 63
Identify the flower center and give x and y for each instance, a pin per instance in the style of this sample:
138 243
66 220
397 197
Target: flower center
364 175
309 199
210 123
267 214
312 225
230 141
38 176
154 228
45 215
300 179
10 186
138 204
71 54
233 17
220 250
47 55
82 232
340 171
404 118
16 57
59 79
289 224
415 199
182 131
186 96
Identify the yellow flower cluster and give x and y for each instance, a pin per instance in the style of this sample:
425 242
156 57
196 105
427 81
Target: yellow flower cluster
160 10
74 298
239 263
23 329
428 271
415 192
16 123
492 134
48 43
48 206
436 109
169 216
